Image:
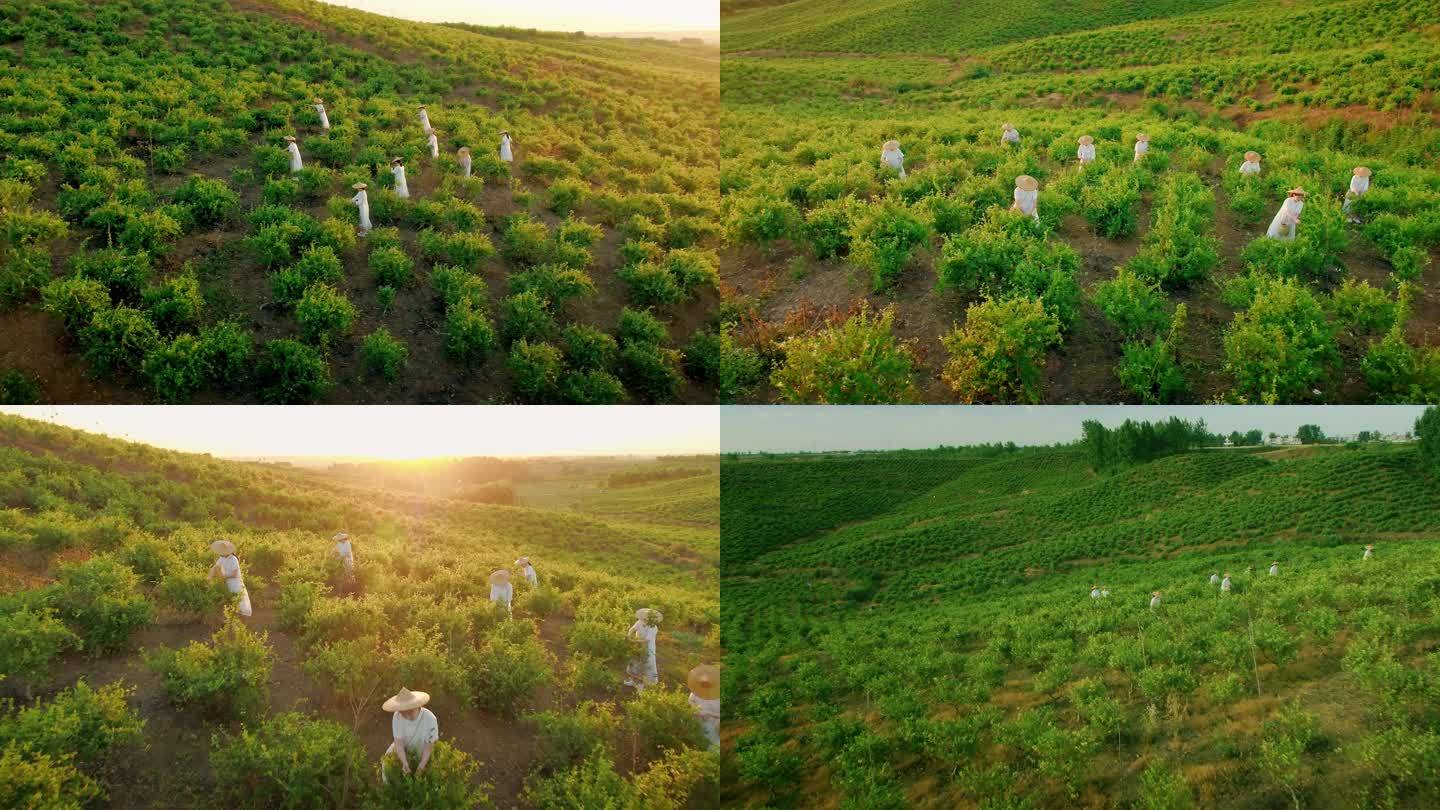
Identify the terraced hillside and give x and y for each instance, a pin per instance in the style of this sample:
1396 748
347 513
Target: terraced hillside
168 699
158 245
819 235
946 652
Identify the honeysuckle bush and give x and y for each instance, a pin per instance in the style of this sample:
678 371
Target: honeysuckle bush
1007 680
168 148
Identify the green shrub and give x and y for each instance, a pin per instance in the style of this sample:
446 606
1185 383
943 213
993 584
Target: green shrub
100 599
526 317
229 678
827 229
567 737
650 371
1281 347
79 720
692 269
289 760
664 719
566 195
192 594
318 265
535 369
18 388
1008 254
274 245
588 348
556 284
599 641
125 275
75 301
280 191
882 237
590 784
1397 372
469 335
464 249
1152 370
176 305
447 783
639 326
1361 309
150 232
651 284
505 674
999 354
1135 306
29 779
22 272
211 201
225 351
176 370
454 284
30 639
383 355
289 372
324 314
761 220
1112 204
391 267
525 241
858 361
592 388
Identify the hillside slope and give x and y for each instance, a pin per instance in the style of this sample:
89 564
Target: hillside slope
947 654
157 131
80 512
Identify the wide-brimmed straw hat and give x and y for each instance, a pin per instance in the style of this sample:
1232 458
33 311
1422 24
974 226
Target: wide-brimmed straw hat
1362 171
704 681
1142 137
1026 183
342 535
397 161
464 150
1274 562
422 106
1086 140
500 577
359 186
642 613
405 700
319 100
1371 545
1154 593
522 561
223 547
1297 192
892 144
1007 126
1252 156
290 138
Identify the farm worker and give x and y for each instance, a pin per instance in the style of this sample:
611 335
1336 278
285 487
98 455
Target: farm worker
324 119
424 119
506 153
397 168
344 551
463 153
1251 166
1086 152
1359 184
892 157
434 144
1094 591
705 699
641 670
1225 583
295 163
1274 568
1142 146
527 571
1027 195
362 202
1009 135
1104 593
1215 578
1287 219
501 591
1154 599
228 566
1369 552
413 731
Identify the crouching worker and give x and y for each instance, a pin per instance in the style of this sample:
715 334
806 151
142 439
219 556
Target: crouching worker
228 566
527 571
705 699
414 732
501 591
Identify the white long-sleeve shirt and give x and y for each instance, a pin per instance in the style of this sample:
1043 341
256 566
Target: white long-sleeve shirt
502 594
528 571
645 633
295 163
363 203
1250 167
424 120
434 146
324 119
417 733
230 570
1026 201
1359 184
465 163
505 152
401 188
346 553
1086 152
1141 148
1274 569
1287 217
1225 584
894 158
1010 136
1154 601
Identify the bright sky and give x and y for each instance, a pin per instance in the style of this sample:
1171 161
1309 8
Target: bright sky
594 16
398 432
771 428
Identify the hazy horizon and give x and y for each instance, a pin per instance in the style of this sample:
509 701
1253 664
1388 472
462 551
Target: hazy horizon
398 432
631 17
818 428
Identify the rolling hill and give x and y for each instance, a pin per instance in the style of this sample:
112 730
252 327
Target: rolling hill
818 235
159 246
944 651
107 619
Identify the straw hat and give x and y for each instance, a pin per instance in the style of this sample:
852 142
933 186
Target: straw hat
500 577
705 681
319 100
290 138
422 106
359 186
892 144
342 535
464 150
1086 140
523 561
1372 545
1227 573
397 161
1253 157
504 132
405 700
223 547
1297 192
1142 137
1154 593
1026 183
1008 125
1274 562
642 613
1361 171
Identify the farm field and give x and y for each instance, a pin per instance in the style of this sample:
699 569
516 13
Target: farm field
1140 281
127 681
939 646
158 245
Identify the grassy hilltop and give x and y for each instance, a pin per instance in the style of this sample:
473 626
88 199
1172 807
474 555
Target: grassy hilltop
125 681
156 246
935 645
827 256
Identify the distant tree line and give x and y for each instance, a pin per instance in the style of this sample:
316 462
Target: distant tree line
1138 442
